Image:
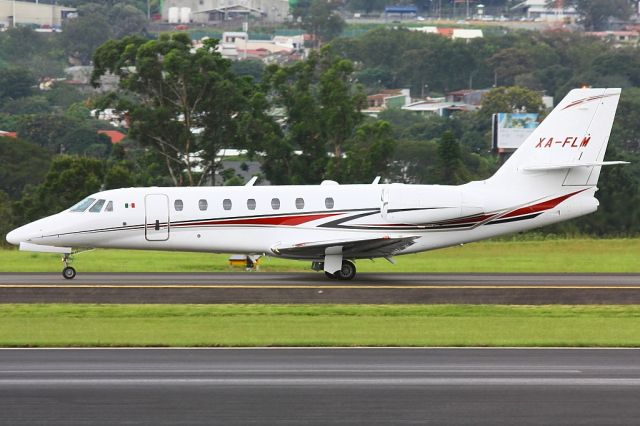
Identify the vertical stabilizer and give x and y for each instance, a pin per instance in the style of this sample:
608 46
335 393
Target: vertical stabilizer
565 149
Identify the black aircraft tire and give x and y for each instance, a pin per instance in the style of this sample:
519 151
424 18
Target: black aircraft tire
330 275
69 273
347 272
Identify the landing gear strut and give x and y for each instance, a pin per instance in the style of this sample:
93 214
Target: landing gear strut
346 272
68 272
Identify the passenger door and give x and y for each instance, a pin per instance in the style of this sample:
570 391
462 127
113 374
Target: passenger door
156 217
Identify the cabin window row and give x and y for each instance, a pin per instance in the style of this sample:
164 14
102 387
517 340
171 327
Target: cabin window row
203 204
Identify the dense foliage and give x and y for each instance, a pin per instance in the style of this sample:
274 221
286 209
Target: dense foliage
303 122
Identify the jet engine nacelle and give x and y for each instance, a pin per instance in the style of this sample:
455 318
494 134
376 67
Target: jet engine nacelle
407 205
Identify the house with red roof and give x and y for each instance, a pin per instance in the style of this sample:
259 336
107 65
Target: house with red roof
115 135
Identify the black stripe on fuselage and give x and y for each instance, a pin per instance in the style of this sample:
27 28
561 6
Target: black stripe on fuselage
335 224
515 219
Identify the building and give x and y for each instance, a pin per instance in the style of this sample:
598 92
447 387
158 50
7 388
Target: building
114 135
236 45
617 38
209 11
460 100
453 33
14 13
392 98
439 106
467 96
540 10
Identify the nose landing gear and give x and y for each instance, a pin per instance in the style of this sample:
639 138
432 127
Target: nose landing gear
68 272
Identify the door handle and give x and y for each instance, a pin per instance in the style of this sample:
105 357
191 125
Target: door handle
157 225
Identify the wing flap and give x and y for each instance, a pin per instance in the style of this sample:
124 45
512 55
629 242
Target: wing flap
353 248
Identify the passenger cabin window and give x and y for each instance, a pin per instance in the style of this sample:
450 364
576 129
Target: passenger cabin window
226 204
82 205
251 204
97 206
328 202
109 207
275 203
178 205
203 205
299 203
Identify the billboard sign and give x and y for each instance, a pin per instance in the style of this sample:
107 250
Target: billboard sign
511 129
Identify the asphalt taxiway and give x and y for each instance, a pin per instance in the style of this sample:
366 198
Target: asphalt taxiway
259 287
320 386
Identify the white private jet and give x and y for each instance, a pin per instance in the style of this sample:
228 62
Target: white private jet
552 177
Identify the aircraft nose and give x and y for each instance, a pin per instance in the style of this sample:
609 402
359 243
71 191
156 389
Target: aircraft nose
14 237
24 233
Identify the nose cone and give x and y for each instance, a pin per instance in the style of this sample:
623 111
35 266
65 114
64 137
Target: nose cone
25 233
14 237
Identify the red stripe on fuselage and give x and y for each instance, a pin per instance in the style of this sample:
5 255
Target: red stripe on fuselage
273 220
535 208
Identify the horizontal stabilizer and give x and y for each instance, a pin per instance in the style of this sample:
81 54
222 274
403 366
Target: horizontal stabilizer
570 165
44 249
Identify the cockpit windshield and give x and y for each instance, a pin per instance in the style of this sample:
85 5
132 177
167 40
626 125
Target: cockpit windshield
82 205
97 206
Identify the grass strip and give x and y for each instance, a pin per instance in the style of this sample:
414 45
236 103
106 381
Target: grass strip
85 325
559 255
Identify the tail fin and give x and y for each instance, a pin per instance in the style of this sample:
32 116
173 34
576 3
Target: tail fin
567 148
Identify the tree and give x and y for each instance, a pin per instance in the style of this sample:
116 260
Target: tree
68 180
28 105
415 161
452 171
625 134
375 77
126 19
510 99
60 133
23 164
595 14
340 102
509 63
249 67
293 89
368 153
367 6
6 213
63 95
167 91
82 36
15 83
321 108
140 5
119 176
319 18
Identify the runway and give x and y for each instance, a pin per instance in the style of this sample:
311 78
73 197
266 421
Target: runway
258 287
321 386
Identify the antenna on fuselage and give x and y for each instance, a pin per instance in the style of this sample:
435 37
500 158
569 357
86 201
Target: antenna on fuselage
252 181
376 181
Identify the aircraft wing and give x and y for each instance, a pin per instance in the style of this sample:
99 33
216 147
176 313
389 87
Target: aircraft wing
351 248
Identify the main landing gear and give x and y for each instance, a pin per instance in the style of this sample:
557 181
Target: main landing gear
346 272
68 272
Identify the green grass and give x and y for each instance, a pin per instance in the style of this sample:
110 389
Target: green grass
63 325
559 255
